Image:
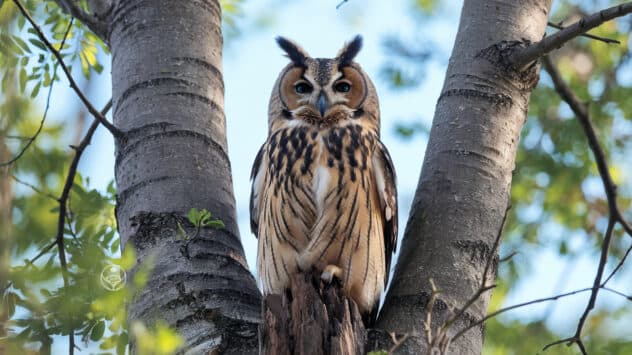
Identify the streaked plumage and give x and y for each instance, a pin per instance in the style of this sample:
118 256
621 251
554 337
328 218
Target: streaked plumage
323 193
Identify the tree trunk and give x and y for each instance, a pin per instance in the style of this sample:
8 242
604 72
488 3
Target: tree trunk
168 98
464 187
310 319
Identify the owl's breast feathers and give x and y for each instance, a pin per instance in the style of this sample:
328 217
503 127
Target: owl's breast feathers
325 197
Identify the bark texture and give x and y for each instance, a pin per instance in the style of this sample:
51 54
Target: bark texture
465 182
311 318
168 98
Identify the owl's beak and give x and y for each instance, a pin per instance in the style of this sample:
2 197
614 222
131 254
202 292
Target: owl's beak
322 104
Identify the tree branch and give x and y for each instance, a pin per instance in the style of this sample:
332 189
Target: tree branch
34 188
596 284
583 116
587 35
525 56
616 269
581 111
63 199
115 131
96 25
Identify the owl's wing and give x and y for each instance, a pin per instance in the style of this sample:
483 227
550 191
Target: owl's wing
387 191
257 177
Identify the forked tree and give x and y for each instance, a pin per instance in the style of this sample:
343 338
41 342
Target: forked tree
171 156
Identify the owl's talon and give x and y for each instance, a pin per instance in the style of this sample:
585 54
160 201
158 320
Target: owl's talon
330 272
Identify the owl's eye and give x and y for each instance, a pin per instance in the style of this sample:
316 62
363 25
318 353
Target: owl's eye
342 87
302 88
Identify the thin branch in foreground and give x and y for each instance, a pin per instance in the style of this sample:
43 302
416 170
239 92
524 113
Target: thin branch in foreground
110 127
596 285
34 188
619 265
581 112
30 140
506 309
341 3
524 57
397 342
33 260
587 35
508 257
63 199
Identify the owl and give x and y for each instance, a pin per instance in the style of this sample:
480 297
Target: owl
323 185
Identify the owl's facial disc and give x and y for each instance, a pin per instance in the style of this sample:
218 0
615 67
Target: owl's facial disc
322 102
321 91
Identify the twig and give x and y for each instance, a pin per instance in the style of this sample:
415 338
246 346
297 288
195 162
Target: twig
583 116
508 257
524 304
438 343
30 140
429 307
525 56
341 3
569 340
503 310
33 260
34 188
587 35
596 285
616 292
580 110
110 127
397 342
92 22
616 269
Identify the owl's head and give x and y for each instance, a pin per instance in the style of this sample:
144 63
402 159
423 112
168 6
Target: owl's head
323 92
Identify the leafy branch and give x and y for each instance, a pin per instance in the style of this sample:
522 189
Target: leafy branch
30 140
97 115
581 112
525 56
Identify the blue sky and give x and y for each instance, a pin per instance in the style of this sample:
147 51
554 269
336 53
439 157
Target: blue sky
252 62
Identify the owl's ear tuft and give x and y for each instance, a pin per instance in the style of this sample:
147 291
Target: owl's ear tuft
349 51
297 55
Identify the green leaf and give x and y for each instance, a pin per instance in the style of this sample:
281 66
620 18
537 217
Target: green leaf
21 43
97 331
378 352
36 89
121 345
21 21
194 216
37 43
216 224
22 79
